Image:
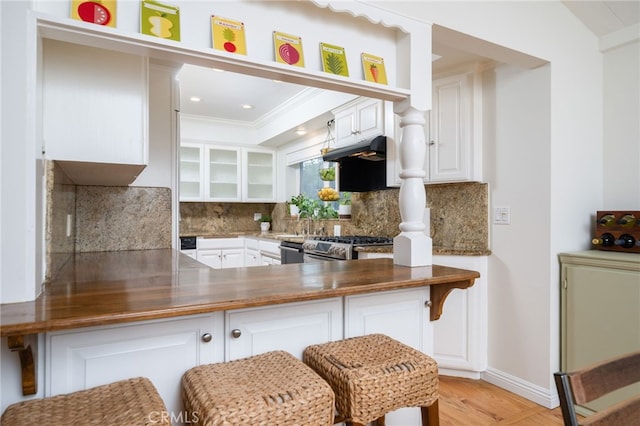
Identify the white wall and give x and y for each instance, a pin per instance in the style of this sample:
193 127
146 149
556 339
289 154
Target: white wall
21 242
545 168
162 170
621 156
517 152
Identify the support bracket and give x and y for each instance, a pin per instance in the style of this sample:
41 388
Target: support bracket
29 384
439 293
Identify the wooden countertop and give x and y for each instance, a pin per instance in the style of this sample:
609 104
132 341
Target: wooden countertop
115 287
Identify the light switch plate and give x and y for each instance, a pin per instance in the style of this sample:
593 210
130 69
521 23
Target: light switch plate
502 215
257 216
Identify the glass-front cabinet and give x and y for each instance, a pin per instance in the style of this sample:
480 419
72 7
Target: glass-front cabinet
223 173
223 167
191 172
260 175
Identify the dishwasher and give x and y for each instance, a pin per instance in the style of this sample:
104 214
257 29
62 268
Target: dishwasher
291 252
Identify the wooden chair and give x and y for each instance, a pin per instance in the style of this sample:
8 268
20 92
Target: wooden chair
594 381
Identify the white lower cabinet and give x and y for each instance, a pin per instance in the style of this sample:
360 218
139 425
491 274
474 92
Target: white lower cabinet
267 259
252 257
269 252
400 314
460 335
160 350
218 259
220 253
290 327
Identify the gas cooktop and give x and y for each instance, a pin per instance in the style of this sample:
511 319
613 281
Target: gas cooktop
356 240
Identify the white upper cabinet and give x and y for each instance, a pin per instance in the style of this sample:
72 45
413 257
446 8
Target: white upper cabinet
259 175
449 134
358 120
95 116
222 174
450 129
191 172
226 173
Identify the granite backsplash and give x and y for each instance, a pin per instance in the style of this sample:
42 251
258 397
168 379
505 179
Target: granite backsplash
459 217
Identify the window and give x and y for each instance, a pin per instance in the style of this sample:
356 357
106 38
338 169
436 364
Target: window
310 181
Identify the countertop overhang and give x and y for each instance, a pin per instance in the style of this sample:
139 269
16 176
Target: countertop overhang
115 287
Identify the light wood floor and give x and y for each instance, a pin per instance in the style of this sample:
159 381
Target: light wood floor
465 402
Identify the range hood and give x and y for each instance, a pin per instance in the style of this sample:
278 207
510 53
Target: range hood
362 166
370 149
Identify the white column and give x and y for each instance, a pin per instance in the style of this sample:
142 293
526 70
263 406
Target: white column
412 247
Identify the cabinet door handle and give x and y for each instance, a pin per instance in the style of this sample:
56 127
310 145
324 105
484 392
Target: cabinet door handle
428 304
236 333
206 337
431 143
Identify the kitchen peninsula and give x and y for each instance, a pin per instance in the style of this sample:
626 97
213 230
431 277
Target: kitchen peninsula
99 291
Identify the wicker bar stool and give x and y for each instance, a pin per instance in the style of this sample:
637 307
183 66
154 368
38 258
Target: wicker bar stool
274 388
374 374
126 402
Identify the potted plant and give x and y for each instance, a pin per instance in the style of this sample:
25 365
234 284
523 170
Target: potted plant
305 206
344 208
265 222
326 211
295 203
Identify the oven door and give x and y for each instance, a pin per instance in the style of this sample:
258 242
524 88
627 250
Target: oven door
315 258
291 252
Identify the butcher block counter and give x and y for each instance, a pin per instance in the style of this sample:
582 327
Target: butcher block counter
114 287
125 288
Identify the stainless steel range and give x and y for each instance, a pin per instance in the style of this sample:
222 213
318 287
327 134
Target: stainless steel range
319 249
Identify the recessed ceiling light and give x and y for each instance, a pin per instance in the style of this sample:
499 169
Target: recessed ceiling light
247 106
194 99
301 132
217 70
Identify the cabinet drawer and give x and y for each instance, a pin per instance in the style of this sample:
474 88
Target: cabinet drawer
219 243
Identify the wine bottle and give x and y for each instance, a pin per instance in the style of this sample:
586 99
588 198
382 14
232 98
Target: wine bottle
628 220
605 240
607 220
626 241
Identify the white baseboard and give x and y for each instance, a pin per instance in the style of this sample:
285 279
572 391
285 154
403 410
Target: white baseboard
546 397
476 375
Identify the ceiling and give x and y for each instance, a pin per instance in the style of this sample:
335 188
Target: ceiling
604 17
223 94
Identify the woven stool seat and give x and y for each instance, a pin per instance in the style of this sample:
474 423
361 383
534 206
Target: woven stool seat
374 374
127 402
274 388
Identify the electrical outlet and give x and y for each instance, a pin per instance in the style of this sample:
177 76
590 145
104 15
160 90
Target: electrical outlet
69 222
502 215
257 216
